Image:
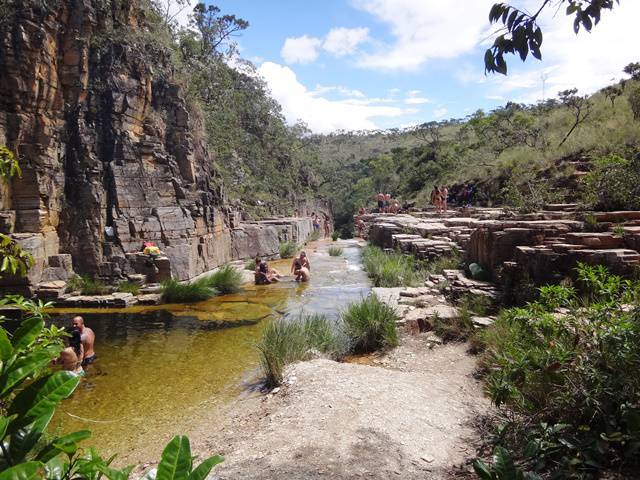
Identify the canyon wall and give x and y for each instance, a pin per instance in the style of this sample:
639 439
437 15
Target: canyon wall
111 153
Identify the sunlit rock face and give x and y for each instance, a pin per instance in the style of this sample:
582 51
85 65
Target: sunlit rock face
111 153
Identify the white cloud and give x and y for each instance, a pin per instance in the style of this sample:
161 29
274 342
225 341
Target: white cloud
322 115
417 100
424 30
344 41
339 89
300 49
440 112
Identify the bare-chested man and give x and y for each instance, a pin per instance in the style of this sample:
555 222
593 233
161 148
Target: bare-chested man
88 339
380 200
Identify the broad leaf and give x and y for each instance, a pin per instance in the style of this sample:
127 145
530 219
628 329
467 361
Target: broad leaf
4 424
201 472
504 463
482 470
56 468
6 350
42 396
23 441
56 446
114 474
27 332
25 367
175 463
24 471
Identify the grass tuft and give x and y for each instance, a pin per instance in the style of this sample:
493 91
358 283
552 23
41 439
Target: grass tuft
286 341
129 287
86 285
390 269
250 265
370 324
225 280
175 292
335 235
288 249
315 235
335 251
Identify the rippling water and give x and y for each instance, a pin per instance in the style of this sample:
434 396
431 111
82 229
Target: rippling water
160 368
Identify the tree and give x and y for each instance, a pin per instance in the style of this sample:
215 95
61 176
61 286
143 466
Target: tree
429 132
523 35
216 31
580 107
612 92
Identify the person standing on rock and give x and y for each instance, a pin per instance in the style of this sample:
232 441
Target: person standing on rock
380 200
327 227
444 196
435 198
88 338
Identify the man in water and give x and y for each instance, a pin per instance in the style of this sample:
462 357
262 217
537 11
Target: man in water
301 268
88 338
71 356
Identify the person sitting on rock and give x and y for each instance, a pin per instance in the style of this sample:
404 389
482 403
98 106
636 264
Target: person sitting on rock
265 275
301 268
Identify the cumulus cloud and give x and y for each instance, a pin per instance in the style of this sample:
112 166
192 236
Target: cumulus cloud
300 49
320 114
344 41
425 30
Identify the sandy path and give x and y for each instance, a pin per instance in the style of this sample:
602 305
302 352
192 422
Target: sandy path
407 418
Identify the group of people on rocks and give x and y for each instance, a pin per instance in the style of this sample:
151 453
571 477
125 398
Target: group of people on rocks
300 269
79 351
440 198
387 204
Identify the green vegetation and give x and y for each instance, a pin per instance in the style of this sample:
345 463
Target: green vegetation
86 285
335 235
571 378
250 265
314 236
15 260
288 250
613 183
129 287
225 280
370 325
335 251
29 395
286 341
174 291
390 269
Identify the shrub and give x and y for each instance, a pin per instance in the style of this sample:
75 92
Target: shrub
226 280
613 184
286 341
618 230
250 265
335 251
370 325
315 235
288 249
176 292
129 287
335 235
573 378
390 269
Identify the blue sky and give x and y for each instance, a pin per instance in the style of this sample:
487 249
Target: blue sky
362 64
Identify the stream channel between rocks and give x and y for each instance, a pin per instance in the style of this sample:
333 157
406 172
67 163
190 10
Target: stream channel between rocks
163 370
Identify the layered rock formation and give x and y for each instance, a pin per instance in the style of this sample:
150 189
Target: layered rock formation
542 247
111 154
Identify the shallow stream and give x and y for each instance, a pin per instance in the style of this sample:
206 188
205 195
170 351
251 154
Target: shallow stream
162 370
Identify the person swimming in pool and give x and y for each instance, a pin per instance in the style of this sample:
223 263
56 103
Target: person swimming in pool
88 339
301 268
71 357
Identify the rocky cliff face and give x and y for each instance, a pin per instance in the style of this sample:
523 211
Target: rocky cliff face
110 153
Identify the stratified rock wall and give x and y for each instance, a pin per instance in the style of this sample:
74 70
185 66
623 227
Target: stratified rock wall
110 152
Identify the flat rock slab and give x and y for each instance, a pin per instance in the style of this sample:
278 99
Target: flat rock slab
445 312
